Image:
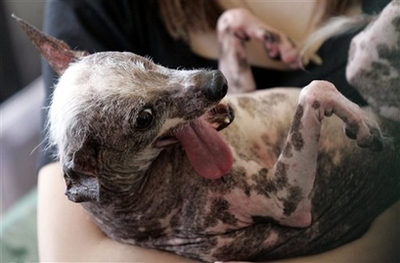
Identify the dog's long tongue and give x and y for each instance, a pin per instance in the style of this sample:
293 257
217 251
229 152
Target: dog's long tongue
207 151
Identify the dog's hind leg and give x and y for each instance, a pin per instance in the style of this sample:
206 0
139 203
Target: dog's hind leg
233 61
374 62
235 27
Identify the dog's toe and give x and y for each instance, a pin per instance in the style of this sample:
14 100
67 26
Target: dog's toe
367 134
350 133
375 140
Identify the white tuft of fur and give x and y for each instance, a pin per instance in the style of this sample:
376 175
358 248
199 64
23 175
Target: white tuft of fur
335 26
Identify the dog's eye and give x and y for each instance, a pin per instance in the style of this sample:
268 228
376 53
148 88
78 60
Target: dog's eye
144 119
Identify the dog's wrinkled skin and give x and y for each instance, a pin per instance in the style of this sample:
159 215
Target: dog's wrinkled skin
284 184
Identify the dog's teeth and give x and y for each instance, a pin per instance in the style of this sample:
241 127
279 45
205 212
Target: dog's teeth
227 120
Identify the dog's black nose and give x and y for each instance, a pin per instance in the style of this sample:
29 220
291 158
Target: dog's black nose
215 85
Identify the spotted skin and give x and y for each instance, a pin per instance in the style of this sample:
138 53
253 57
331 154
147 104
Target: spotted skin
175 209
236 27
298 185
374 64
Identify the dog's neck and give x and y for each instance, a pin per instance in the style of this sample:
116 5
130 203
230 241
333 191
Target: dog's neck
132 176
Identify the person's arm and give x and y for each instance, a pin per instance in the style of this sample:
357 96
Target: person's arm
67 234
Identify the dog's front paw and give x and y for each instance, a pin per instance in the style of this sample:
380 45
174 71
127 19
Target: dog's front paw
322 98
221 116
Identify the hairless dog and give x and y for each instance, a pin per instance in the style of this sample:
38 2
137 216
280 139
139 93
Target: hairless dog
165 159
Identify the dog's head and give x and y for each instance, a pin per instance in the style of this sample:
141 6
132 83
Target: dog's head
112 113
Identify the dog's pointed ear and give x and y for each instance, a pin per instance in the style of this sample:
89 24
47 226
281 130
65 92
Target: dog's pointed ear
57 53
81 174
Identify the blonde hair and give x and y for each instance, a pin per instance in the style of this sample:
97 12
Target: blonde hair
333 8
182 16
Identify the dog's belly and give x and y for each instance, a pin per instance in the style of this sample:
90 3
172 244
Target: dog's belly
223 219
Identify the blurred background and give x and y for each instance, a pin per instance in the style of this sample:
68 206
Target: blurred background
21 95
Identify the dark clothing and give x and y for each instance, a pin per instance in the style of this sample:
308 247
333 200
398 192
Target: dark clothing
126 25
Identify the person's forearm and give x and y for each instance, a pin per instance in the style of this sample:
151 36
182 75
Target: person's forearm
67 234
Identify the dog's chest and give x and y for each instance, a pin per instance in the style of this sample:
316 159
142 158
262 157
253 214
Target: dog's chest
260 127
